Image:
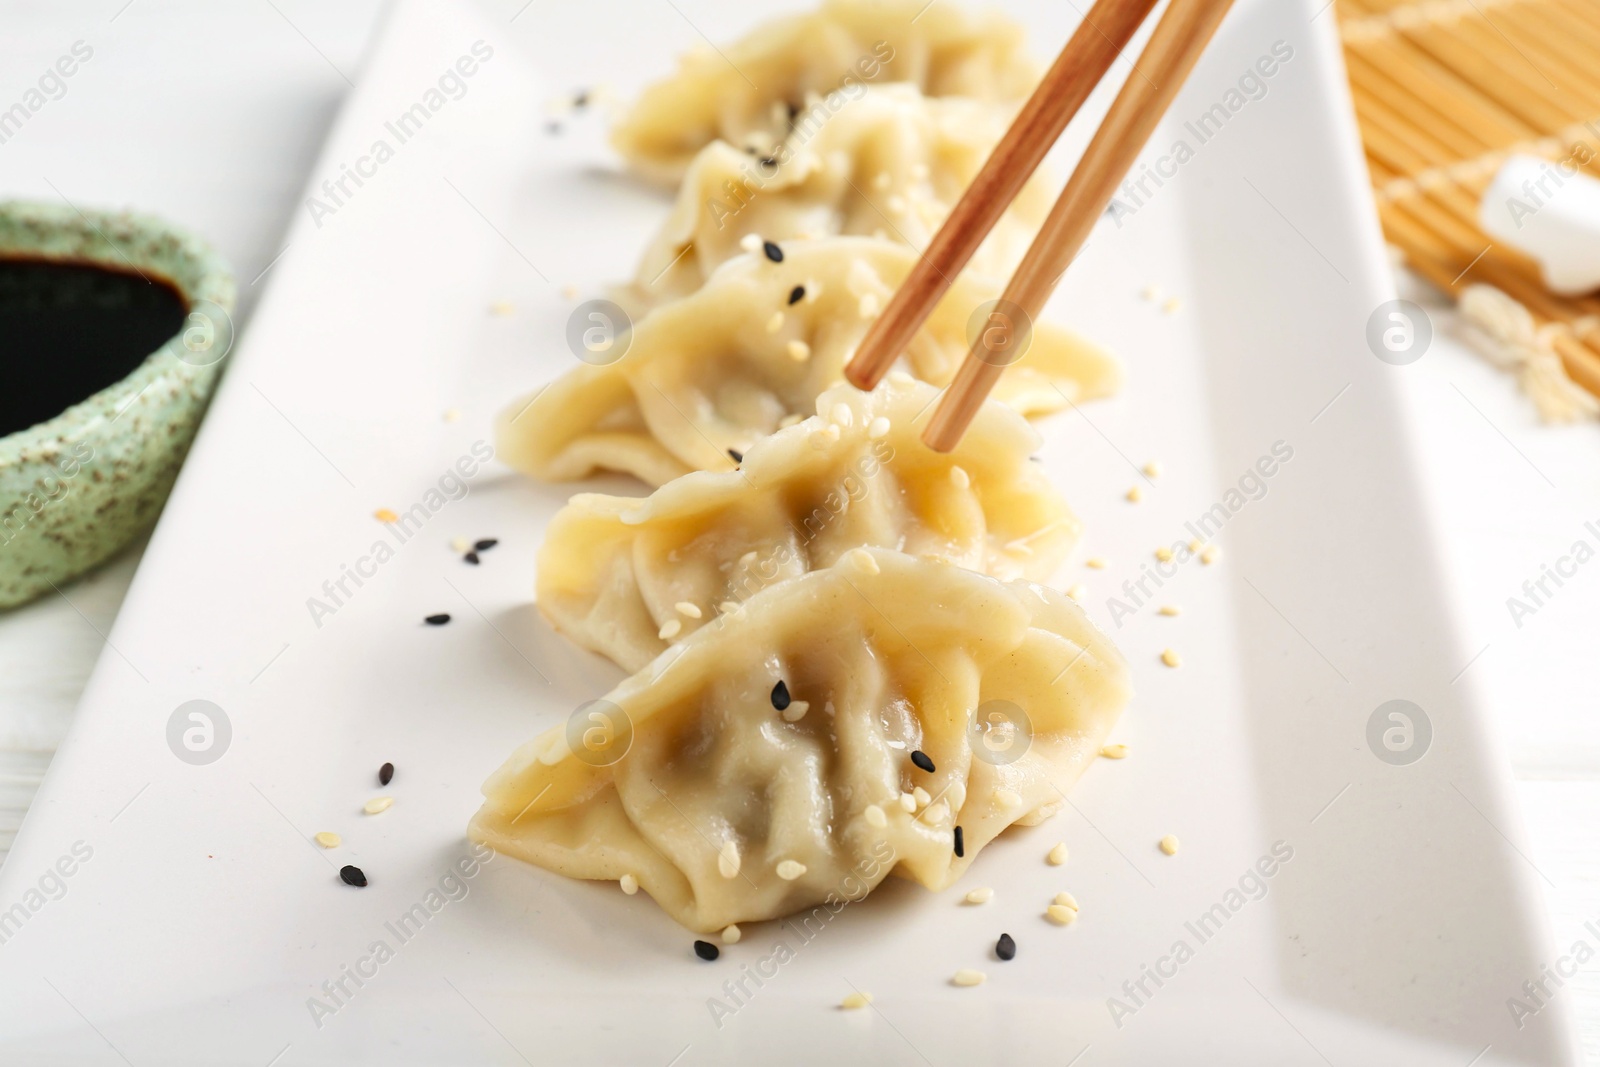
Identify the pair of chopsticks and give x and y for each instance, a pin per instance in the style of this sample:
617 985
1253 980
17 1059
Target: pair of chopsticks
1176 43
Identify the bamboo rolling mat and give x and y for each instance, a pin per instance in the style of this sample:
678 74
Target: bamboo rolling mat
1445 91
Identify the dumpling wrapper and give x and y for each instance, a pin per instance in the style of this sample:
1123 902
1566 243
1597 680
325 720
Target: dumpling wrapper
892 654
710 373
614 570
742 92
884 161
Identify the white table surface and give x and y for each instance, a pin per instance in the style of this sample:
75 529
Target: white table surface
211 111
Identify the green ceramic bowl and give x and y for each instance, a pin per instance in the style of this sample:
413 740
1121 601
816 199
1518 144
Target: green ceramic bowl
77 488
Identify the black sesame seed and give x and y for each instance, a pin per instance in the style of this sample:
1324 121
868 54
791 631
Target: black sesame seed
472 558
1005 948
796 294
961 844
706 950
780 696
738 457
581 100
794 112
437 620
772 250
750 148
484 544
386 774
768 161
353 876
920 758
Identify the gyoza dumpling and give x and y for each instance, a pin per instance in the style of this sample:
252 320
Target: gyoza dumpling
688 777
749 92
888 162
626 577
725 366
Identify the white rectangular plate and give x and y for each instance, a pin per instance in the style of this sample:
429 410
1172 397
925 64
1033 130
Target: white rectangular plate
200 925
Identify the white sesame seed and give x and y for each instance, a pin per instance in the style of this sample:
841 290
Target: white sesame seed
852 1001
842 415
570 292
908 802
1164 554
881 180
452 415
670 629
960 478
1134 494
813 291
327 839
957 794
460 544
1079 592
937 813
968 977
727 607
689 608
1151 293
1008 798
775 323
1115 752
377 804
1194 546
875 816
789 870
1061 915
750 243
1170 658
1153 468
900 377
1209 554
1057 855
1172 305
1169 845
630 884
501 307
799 351
1066 900
1096 563
980 896
878 428
731 934
869 305
922 797
728 859
862 561
1171 609
796 710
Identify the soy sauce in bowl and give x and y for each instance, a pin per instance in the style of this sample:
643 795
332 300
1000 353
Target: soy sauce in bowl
69 330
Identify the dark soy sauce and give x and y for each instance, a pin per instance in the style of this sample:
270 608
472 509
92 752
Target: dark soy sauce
68 330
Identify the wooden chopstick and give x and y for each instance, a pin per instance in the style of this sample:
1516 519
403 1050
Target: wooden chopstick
1098 40
1175 45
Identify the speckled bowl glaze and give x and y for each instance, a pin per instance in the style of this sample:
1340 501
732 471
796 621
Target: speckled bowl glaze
75 489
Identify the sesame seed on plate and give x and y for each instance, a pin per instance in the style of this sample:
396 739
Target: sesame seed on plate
1151 293
327 839
735 455
908 802
731 934
1061 915
1153 469
471 557
780 695
1164 554
968 977
861 559
796 294
1115 752
386 774
1172 305
875 816
1134 494
1057 855
385 515
960 843
728 859
706 950
670 629
877 428
855 1000
1194 546
484 544
437 620
1170 658
1171 609
772 251
750 242
629 884
353 876
936 812
1005 948
981 895
1096 563
795 711
452 415
1078 592
1066 900
1209 554
920 758
689 608
460 544
920 795
377 805
1169 845
789 870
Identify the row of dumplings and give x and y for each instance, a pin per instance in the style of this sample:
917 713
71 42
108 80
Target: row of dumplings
838 646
